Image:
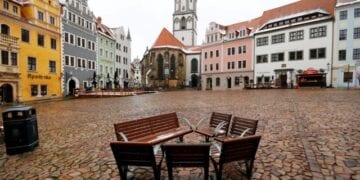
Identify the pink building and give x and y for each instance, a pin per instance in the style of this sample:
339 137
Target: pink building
227 61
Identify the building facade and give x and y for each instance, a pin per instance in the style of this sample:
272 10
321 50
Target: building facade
10 26
106 44
185 21
227 56
122 56
346 64
294 49
79 46
136 73
30 50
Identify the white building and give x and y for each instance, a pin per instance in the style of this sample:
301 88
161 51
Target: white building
122 55
136 73
346 65
296 48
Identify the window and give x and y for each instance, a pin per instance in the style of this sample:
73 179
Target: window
262 59
357 12
93 46
79 41
218 81
66 37
217 66
53 43
41 40
262 41
244 64
233 51
342 55
244 49
79 62
229 51
277 57
72 39
40 16
83 63
5 57
205 67
240 49
318 32
52 20
239 64
6 5
297 35
183 23
279 38
342 34
194 66
317 53
89 45
31 64
34 90
67 60
14 59
211 67
295 55
25 35
89 65
43 89
232 65
211 54
229 65
237 81
83 43
101 52
356 54
357 33
72 61
52 66
15 9
217 53
343 15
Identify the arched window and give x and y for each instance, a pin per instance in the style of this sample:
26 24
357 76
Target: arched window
183 23
172 67
160 62
5 29
194 65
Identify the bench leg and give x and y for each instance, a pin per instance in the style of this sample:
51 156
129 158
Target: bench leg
170 172
123 172
206 173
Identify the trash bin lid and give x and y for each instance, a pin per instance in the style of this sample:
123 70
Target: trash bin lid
18 108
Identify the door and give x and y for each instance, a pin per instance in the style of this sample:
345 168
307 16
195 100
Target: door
6 92
194 81
209 84
229 83
283 79
72 86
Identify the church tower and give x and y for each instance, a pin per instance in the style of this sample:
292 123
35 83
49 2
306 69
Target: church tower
185 21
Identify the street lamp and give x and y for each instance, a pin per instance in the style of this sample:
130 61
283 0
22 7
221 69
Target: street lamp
329 69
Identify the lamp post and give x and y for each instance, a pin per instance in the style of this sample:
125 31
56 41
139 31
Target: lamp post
329 69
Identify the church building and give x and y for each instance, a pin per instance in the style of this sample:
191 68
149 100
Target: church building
173 61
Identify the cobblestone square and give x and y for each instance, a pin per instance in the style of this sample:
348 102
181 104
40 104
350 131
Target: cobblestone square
306 134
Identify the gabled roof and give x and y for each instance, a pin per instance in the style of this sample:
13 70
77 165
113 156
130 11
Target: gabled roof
297 7
167 39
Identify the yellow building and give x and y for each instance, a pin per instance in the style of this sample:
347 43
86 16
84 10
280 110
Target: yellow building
38 34
9 49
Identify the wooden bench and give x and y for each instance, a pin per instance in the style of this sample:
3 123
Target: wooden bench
153 130
243 127
240 149
215 120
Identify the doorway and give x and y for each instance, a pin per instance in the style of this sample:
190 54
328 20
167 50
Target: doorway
229 83
194 81
72 86
209 84
6 92
283 80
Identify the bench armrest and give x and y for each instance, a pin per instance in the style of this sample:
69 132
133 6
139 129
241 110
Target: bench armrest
246 130
123 136
198 124
192 127
218 130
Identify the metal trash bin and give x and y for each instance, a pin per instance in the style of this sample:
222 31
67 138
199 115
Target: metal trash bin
20 129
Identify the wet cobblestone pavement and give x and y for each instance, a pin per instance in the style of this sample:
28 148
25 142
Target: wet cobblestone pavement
306 134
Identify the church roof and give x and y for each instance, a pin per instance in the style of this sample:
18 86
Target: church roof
167 39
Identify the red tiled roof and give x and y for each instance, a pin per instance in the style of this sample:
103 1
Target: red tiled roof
167 39
297 7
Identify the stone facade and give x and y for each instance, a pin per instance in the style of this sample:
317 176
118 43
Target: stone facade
79 46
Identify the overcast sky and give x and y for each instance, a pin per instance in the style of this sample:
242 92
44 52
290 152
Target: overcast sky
146 18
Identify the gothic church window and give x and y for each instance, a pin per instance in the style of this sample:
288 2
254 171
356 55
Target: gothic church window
160 61
194 66
183 23
172 67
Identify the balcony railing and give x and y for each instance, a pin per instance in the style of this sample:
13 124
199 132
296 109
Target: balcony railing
9 41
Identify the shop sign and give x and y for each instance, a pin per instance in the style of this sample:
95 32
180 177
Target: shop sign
39 76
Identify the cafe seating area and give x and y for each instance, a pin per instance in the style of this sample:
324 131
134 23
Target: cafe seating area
150 141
